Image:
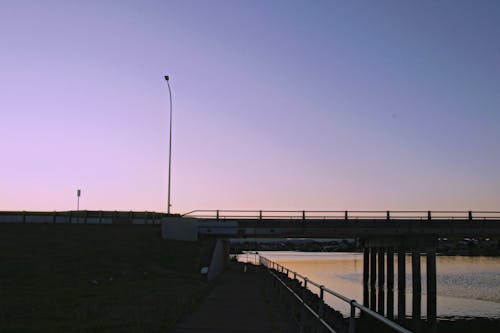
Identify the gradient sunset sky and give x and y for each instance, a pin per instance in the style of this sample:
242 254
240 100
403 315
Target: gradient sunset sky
277 104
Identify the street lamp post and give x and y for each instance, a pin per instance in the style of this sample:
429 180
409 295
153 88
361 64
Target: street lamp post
169 144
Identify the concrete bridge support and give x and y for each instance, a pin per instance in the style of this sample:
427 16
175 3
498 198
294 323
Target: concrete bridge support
378 278
390 283
381 280
373 278
416 284
366 273
431 289
401 283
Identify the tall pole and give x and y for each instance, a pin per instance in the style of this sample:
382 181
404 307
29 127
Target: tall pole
169 144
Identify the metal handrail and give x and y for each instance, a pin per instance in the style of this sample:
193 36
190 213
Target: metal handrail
294 294
353 303
417 215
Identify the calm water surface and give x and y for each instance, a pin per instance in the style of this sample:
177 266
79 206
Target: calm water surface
466 286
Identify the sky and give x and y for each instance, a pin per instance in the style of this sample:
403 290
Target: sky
315 105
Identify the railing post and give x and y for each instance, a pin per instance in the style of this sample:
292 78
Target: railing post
217 214
295 275
470 215
303 312
352 318
303 215
346 215
388 215
321 309
260 215
429 216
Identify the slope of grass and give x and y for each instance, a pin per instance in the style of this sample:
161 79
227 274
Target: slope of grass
95 278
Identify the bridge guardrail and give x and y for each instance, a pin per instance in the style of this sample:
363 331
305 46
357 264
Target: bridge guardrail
82 217
271 265
226 214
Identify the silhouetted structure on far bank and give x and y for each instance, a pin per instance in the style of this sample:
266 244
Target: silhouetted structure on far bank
451 247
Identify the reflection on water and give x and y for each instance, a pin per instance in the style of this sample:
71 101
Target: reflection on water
466 286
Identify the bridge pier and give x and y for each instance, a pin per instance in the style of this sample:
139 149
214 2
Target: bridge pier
366 274
378 270
431 289
401 283
416 285
381 280
373 278
390 282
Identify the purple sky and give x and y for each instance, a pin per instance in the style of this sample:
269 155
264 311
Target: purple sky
277 104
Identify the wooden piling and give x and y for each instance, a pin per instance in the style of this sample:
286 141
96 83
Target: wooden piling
401 283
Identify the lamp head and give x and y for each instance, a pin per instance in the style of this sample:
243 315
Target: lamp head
166 77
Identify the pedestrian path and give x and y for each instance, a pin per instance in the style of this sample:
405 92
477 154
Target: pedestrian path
237 303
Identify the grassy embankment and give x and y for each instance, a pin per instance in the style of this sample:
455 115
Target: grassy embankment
95 278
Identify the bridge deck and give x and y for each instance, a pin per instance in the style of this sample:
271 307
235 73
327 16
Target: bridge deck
348 228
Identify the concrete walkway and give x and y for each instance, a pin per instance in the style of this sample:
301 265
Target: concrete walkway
237 303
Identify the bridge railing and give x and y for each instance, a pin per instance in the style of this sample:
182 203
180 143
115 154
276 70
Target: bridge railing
222 214
353 304
82 217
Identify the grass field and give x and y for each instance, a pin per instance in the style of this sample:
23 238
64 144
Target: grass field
95 278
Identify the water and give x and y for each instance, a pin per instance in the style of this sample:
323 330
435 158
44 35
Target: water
466 286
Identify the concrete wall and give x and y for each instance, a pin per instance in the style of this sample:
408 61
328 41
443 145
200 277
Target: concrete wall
220 257
180 228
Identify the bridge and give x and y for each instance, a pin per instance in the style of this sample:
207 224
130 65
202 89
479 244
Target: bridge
344 224
383 234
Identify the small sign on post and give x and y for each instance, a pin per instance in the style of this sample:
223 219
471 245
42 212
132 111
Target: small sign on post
78 194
